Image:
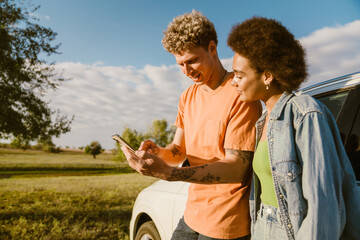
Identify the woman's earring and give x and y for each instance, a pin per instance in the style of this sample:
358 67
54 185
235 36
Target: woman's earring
267 86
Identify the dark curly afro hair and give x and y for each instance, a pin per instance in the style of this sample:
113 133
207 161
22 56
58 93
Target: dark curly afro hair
268 45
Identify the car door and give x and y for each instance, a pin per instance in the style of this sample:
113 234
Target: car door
345 106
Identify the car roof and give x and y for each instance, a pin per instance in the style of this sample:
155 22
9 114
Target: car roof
346 81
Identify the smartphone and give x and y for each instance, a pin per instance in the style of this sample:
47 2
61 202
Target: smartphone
122 142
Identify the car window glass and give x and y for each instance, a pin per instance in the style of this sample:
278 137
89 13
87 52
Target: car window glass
353 146
334 102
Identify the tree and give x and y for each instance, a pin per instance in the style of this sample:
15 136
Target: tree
25 78
19 142
94 148
159 133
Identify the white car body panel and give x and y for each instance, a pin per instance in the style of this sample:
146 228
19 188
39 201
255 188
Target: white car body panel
165 197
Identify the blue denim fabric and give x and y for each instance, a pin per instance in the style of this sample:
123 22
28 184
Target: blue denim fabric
314 182
184 232
268 225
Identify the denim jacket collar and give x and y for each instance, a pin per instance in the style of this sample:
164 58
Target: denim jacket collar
275 113
279 106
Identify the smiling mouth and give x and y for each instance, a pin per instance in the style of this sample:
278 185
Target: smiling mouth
195 78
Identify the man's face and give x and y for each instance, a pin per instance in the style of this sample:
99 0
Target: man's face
197 64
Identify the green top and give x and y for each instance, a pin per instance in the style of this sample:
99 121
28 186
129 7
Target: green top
261 166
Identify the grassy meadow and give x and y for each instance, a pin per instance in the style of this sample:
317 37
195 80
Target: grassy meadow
65 196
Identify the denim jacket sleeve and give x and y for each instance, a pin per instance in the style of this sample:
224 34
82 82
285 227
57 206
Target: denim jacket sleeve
317 141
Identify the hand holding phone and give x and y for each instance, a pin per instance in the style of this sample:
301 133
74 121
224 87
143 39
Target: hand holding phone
149 146
122 142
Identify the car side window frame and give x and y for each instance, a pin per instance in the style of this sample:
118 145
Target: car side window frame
346 118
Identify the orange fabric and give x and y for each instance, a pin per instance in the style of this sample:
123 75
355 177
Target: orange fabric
213 121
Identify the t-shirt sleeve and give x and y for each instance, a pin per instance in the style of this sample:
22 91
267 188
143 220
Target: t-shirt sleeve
240 132
179 122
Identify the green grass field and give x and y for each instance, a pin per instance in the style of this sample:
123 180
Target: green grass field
30 163
65 196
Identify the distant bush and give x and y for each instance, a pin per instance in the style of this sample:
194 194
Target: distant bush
94 149
48 146
20 142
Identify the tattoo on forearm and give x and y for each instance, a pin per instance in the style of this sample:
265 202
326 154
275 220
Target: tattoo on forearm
176 151
185 173
209 178
245 156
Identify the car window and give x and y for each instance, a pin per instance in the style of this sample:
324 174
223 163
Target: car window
353 146
334 102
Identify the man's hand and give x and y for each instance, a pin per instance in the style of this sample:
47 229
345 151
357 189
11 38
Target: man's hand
149 146
147 164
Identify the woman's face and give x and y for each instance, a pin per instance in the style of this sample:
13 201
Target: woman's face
249 84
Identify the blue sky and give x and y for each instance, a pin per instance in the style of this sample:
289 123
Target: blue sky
118 32
121 75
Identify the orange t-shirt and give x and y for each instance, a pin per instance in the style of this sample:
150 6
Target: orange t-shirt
213 121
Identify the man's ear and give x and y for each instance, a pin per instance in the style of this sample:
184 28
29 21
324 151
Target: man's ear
212 47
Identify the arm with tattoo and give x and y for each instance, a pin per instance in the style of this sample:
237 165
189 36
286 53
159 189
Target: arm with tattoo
245 156
172 154
236 167
175 152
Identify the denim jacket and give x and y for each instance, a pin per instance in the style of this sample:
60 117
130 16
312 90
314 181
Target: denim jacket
314 182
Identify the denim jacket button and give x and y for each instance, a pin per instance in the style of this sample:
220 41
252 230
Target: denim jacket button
289 225
289 174
273 168
281 196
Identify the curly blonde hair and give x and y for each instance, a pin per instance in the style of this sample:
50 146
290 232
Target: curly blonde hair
187 31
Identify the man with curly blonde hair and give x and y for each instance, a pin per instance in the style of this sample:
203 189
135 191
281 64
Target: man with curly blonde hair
215 132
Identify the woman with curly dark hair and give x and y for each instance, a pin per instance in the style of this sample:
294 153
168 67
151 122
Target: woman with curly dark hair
304 186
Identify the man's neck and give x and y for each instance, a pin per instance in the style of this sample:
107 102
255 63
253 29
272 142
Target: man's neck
216 79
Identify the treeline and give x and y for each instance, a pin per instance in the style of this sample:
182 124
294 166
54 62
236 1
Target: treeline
24 144
159 132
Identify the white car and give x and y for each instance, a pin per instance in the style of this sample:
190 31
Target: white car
159 207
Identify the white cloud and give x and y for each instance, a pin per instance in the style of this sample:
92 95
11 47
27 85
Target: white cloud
104 99
333 52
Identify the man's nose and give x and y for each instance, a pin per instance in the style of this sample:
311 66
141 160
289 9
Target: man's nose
187 70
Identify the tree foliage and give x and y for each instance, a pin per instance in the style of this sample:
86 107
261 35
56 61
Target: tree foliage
25 78
94 148
131 136
159 132
20 142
